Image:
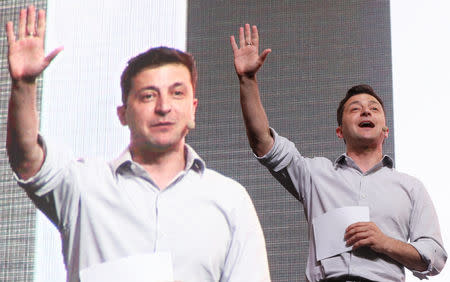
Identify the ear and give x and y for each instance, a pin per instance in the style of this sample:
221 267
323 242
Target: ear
121 114
194 108
339 132
386 132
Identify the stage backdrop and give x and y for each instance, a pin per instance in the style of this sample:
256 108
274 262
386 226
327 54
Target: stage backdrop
17 213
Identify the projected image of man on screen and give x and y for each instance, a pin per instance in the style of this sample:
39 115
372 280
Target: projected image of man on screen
155 213
366 220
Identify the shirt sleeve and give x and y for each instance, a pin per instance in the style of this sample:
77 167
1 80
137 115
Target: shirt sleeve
287 165
425 234
51 188
247 257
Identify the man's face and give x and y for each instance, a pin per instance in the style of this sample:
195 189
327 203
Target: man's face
160 104
363 121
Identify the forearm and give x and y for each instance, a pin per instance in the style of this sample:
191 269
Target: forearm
255 118
405 254
25 154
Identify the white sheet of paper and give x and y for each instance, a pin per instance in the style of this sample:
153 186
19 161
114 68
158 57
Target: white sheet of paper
329 229
154 267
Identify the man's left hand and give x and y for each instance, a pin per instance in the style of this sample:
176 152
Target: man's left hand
366 234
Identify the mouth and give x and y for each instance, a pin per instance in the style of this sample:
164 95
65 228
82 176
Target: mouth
366 124
162 123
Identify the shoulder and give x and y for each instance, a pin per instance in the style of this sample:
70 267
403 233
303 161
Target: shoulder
406 178
223 190
231 197
318 164
92 165
221 182
412 184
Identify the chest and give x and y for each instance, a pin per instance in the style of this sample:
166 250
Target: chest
128 216
388 198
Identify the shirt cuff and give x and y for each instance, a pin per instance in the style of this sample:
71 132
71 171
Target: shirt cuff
430 255
280 155
29 182
37 184
269 154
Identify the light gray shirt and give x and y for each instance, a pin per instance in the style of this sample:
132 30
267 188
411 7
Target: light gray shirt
398 203
106 211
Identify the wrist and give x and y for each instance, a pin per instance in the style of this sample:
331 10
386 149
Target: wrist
390 245
246 78
19 87
24 82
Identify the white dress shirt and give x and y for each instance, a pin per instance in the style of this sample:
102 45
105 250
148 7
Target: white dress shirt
108 211
398 203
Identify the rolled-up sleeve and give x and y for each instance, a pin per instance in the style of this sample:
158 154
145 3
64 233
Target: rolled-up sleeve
51 188
425 233
280 155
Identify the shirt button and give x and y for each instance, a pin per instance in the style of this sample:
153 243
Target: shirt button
363 196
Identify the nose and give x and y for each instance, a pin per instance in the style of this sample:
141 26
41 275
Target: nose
163 105
365 111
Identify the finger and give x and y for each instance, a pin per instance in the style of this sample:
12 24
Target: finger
241 37
352 240
10 33
264 55
248 39
362 243
352 230
22 23
31 20
361 235
255 36
233 44
41 24
356 225
52 55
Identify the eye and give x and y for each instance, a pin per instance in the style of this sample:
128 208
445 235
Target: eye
147 96
178 93
374 109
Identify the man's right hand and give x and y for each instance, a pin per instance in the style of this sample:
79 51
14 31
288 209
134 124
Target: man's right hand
26 52
247 60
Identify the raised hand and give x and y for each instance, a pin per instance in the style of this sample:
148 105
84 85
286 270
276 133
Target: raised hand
247 59
26 53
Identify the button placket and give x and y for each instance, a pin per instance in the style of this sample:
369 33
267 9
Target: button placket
363 190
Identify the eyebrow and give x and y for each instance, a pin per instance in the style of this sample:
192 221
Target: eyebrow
371 102
148 88
174 85
177 84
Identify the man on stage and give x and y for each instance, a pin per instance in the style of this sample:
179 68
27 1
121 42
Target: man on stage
403 230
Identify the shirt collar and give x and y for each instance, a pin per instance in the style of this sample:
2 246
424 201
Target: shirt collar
193 160
344 159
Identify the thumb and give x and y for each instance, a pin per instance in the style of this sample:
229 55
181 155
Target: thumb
52 55
264 55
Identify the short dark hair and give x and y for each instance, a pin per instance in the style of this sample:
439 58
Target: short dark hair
152 58
355 90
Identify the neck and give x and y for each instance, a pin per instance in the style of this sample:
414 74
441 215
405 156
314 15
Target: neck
162 165
365 157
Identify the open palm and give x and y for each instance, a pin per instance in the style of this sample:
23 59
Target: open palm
247 61
26 53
